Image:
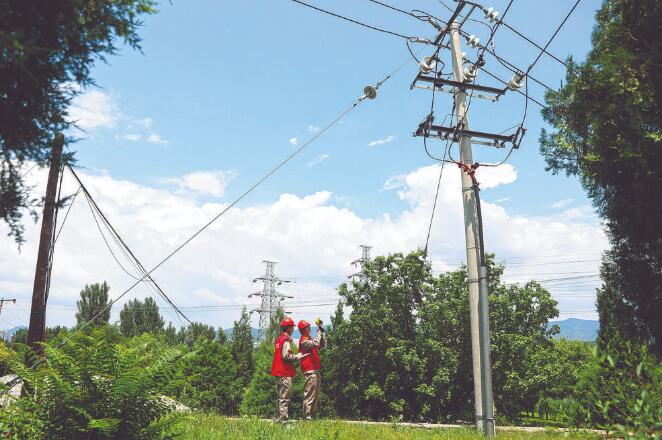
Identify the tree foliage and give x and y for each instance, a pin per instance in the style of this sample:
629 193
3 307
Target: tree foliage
138 317
212 380
48 50
94 305
196 330
607 122
407 348
241 344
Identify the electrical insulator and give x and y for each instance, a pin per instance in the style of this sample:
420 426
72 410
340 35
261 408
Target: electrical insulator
370 92
473 41
491 14
469 73
427 65
516 82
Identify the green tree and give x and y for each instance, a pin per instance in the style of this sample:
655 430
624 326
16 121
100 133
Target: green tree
221 336
48 50
137 317
407 348
170 335
196 330
607 130
94 305
241 344
212 380
618 324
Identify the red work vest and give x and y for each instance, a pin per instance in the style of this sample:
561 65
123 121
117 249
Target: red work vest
312 361
279 367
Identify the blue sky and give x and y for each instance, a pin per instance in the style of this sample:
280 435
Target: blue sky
228 83
224 88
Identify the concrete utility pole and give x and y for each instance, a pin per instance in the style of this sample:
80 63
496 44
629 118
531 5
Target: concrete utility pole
271 299
431 77
476 272
37 328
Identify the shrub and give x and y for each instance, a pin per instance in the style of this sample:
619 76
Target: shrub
90 388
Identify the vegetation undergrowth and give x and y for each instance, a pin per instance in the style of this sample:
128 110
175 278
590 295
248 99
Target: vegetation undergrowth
210 426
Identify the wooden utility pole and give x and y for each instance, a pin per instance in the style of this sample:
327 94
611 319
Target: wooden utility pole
37 328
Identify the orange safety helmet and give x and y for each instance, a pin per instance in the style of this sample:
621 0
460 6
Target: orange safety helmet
287 322
303 324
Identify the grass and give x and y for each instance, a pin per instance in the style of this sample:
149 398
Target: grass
211 427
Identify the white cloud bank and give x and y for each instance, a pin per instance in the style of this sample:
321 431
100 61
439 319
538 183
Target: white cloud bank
93 109
211 183
310 235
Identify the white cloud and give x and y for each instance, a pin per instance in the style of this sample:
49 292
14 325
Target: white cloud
313 129
211 183
156 139
562 203
93 109
386 140
318 159
505 199
132 137
294 141
144 122
311 235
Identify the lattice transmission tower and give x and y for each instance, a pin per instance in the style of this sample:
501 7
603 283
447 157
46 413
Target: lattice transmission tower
271 298
360 262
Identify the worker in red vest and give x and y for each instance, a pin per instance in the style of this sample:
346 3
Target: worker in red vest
310 366
283 369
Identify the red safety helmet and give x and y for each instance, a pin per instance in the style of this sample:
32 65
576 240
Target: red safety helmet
303 324
287 322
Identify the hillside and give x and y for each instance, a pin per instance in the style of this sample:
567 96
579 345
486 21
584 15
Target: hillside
577 329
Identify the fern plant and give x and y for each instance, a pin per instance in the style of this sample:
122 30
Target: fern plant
93 387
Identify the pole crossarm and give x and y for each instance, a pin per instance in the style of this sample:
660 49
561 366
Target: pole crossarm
439 84
457 133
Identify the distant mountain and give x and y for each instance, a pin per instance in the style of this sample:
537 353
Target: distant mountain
9 333
577 329
254 331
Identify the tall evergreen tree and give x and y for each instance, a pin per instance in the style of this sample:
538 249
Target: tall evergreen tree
194 331
221 336
607 122
241 344
94 305
139 317
170 334
213 382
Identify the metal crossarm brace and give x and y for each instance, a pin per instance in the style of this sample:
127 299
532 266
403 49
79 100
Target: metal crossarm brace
445 132
440 82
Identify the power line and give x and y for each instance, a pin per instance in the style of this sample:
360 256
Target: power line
351 20
529 40
125 248
369 93
66 215
436 196
526 95
553 36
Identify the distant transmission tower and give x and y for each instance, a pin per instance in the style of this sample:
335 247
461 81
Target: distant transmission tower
271 299
365 257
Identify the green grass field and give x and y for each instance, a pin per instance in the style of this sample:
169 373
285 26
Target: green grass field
208 427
